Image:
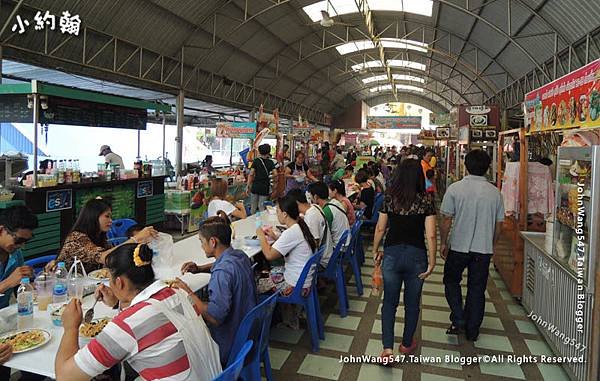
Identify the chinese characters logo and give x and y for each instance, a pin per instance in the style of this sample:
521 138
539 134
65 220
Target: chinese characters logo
67 23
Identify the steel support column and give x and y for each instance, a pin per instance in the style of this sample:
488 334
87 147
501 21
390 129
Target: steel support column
179 138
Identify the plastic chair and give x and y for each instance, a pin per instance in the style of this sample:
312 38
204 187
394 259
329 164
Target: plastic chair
377 205
335 272
39 262
255 326
119 228
232 372
359 213
352 255
309 302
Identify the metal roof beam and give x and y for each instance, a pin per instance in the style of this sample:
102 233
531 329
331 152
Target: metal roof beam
428 103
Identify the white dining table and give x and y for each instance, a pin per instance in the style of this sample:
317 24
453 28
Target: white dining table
41 360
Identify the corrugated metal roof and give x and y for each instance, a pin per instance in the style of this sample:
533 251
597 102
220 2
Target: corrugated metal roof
279 49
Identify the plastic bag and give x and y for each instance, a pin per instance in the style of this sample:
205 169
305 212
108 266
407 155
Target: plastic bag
162 261
377 280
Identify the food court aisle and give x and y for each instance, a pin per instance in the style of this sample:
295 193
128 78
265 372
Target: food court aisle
506 330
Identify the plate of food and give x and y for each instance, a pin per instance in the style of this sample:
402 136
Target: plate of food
87 331
101 274
26 340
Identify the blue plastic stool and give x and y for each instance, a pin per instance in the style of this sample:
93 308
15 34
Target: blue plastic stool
119 228
39 262
232 372
309 302
352 253
335 272
256 326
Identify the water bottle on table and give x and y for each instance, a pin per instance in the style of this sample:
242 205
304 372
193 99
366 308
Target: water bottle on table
24 304
59 293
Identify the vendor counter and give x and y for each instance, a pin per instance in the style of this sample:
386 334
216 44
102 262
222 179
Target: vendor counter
57 207
561 310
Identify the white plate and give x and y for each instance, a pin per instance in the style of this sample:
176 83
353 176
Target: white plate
47 337
96 275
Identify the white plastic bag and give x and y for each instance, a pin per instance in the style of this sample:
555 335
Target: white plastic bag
201 349
162 261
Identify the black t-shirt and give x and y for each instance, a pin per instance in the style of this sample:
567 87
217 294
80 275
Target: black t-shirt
408 226
367 195
262 170
295 167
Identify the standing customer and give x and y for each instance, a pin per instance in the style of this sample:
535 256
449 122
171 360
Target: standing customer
409 214
472 207
259 181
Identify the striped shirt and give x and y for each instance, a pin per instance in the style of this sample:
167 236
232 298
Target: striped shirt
142 336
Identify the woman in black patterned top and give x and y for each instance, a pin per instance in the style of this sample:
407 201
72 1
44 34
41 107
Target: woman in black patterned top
408 217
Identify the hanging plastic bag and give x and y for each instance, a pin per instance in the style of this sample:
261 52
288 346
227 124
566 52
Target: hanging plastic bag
201 349
377 280
162 261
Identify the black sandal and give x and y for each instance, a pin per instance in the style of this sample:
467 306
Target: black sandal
453 330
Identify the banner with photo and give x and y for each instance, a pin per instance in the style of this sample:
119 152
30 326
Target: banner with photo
572 101
238 130
393 122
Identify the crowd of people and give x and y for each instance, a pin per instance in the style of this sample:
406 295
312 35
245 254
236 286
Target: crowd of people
318 206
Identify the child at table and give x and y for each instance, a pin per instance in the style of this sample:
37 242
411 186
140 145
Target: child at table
231 288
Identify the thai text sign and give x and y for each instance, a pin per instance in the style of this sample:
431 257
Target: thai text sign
393 122
241 130
570 101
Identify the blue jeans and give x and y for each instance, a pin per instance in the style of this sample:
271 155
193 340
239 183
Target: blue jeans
471 316
401 264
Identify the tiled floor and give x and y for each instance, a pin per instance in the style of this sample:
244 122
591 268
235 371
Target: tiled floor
505 330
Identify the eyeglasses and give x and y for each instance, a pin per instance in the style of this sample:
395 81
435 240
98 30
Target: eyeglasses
18 240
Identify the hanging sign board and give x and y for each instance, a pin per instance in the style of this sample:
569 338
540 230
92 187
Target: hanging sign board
76 112
13 109
572 101
301 129
350 139
393 122
441 119
238 130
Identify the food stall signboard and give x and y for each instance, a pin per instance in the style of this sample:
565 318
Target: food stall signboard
351 139
572 101
240 130
59 200
393 122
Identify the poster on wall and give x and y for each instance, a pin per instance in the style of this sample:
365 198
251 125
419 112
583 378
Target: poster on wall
393 122
238 130
572 101
350 139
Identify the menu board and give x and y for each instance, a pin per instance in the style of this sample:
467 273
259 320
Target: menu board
82 113
120 197
13 109
572 101
393 122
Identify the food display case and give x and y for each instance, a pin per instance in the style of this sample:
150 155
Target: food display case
576 218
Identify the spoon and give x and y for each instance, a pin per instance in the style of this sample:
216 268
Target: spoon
89 314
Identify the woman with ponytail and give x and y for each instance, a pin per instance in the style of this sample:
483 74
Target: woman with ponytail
296 245
181 347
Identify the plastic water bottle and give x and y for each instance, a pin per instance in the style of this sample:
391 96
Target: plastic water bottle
258 220
59 293
24 304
